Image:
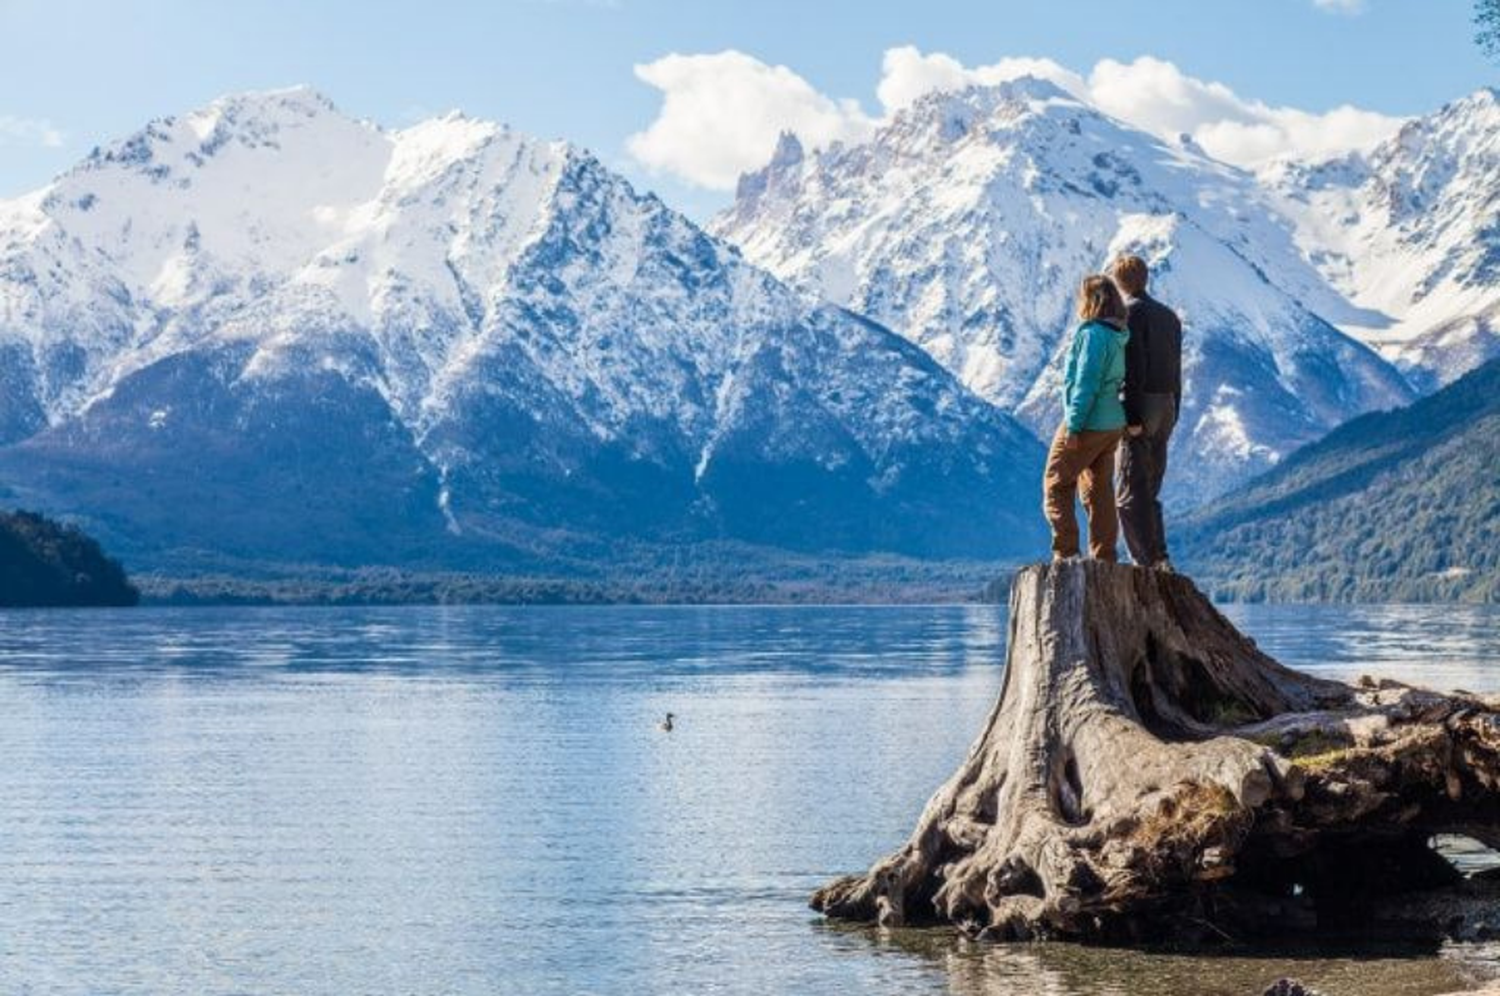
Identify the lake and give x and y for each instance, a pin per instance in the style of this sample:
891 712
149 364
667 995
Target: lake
478 799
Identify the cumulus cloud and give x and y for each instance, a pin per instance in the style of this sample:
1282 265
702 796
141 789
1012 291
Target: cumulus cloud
1288 132
29 131
721 114
1157 96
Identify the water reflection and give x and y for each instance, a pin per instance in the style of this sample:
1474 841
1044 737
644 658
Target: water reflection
973 969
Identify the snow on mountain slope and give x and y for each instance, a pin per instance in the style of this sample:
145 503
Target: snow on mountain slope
967 221
449 335
1411 233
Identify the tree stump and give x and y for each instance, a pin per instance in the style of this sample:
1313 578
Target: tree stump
1149 774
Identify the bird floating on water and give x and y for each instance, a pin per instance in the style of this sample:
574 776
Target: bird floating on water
665 725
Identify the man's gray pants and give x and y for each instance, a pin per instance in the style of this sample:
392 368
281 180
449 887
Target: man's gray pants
1143 465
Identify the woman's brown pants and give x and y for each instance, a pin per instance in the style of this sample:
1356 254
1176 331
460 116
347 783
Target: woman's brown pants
1088 461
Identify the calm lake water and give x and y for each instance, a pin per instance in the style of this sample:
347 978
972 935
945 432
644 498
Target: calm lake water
477 800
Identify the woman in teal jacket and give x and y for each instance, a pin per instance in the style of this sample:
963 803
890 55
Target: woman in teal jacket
1083 450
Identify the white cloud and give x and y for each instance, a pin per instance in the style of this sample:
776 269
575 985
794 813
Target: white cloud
1157 96
29 131
721 114
1286 131
1341 6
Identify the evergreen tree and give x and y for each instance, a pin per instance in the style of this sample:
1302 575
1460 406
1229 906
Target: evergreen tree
43 562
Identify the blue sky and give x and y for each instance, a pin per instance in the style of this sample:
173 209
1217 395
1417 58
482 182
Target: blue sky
77 73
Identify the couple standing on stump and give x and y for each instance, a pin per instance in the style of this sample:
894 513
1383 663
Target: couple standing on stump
1122 391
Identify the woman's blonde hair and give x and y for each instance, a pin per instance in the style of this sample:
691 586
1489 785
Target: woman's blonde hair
1099 298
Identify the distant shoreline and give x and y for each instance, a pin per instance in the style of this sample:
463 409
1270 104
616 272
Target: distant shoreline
958 585
811 599
904 584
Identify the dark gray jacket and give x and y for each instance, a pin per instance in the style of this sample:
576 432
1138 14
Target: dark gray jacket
1153 356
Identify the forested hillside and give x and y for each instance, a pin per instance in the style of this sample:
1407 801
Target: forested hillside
43 562
1401 506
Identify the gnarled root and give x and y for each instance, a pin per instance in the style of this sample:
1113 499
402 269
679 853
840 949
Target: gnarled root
1148 772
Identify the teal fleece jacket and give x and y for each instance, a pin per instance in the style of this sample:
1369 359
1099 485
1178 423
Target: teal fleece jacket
1096 369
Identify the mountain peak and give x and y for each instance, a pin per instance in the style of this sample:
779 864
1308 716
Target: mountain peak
1022 93
1025 106
301 98
1488 95
753 187
1485 101
263 113
252 119
788 152
1037 88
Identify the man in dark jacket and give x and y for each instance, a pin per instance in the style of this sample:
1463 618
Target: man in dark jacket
1153 399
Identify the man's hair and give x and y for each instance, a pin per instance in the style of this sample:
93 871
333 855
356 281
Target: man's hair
1098 298
1130 273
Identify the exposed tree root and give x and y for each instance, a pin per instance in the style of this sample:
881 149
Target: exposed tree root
1149 774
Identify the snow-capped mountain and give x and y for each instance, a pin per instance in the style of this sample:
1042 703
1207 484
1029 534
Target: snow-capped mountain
1410 232
967 221
268 329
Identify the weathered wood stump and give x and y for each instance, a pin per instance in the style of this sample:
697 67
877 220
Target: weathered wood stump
1149 774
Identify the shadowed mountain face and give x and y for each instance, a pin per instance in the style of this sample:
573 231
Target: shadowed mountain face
1400 505
967 222
267 331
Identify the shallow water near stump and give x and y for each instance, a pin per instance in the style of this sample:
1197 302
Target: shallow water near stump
477 800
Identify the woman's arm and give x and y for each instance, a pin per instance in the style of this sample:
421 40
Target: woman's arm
1088 376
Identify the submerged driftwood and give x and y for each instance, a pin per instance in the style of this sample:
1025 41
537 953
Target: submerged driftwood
1149 774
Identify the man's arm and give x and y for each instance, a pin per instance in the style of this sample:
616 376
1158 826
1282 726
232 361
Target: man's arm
1176 342
1135 367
